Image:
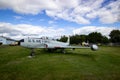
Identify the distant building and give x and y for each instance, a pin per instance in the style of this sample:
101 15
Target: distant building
7 41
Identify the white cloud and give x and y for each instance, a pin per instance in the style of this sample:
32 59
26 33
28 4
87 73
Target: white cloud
25 30
79 11
88 29
108 14
51 22
18 17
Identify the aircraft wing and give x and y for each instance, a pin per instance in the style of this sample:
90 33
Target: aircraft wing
93 47
76 47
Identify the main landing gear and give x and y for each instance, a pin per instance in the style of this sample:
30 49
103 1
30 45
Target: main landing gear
63 50
32 53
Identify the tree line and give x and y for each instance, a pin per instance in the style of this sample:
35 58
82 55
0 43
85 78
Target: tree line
94 37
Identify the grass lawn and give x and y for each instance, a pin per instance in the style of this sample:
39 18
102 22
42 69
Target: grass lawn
81 64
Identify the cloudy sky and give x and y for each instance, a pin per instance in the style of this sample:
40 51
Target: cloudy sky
21 18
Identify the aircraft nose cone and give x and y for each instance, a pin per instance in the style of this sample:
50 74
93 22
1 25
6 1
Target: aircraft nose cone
94 47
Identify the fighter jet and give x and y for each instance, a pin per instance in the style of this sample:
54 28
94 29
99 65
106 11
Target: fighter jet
50 44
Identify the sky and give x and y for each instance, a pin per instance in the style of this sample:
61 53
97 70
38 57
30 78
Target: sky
54 18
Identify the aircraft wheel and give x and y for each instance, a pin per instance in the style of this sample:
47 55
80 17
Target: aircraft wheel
32 52
63 51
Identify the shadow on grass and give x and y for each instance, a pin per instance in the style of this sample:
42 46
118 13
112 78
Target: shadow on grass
70 53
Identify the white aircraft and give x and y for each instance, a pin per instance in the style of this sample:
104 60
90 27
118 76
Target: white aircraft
50 44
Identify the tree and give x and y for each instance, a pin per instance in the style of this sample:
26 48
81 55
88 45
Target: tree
95 37
105 40
83 38
115 36
75 39
63 39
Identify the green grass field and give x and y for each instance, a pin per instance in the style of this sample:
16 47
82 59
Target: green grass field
81 64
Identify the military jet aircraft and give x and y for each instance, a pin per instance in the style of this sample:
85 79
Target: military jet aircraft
50 44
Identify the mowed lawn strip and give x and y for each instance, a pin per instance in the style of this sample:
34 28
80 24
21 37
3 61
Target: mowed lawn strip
81 64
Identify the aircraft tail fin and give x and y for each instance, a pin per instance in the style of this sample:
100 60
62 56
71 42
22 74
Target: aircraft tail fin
68 41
